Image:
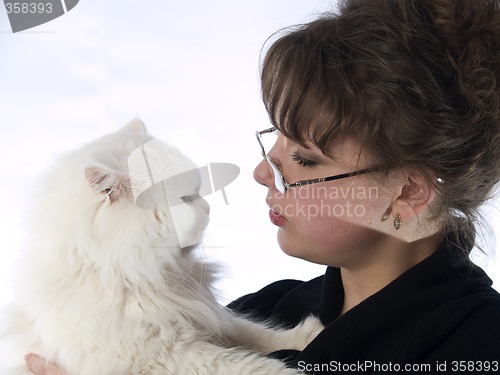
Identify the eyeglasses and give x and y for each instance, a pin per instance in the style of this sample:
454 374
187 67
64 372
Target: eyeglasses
279 180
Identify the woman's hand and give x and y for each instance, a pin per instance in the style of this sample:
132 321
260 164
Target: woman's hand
39 366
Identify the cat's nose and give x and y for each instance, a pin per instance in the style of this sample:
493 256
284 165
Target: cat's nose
204 205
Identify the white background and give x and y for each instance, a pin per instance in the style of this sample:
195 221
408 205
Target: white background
176 65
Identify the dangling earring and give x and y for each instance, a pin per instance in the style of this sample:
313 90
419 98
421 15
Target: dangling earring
397 221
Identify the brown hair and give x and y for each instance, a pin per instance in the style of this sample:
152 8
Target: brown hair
415 81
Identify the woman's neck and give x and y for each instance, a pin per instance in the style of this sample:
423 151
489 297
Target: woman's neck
386 265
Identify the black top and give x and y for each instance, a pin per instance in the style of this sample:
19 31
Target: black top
431 319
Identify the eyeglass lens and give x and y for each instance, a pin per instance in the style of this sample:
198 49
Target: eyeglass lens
266 144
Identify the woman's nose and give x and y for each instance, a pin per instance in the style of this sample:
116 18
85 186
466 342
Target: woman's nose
263 174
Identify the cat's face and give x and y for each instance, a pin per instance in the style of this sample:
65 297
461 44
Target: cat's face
143 190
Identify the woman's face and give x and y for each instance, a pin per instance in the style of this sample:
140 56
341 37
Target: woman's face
334 222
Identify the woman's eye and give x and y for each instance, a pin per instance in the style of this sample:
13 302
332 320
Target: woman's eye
304 162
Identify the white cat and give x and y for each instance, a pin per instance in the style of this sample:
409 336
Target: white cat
105 288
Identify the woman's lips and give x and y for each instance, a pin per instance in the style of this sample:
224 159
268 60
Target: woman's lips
276 218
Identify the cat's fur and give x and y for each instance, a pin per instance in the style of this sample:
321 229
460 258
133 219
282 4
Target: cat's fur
105 288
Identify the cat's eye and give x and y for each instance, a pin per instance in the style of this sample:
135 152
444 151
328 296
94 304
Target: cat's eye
190 198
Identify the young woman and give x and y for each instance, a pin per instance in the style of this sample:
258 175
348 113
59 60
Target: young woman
386 126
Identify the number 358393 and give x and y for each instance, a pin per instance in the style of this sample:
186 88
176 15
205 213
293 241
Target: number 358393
28 8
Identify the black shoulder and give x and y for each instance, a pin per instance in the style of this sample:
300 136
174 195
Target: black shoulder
262 303
284 302
481 329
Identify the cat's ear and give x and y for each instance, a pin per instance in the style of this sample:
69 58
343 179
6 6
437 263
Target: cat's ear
106 182
135 126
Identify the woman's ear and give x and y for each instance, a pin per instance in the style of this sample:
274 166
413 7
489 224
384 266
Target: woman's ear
417 192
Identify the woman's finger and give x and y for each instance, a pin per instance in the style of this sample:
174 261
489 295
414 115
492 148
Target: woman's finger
39 366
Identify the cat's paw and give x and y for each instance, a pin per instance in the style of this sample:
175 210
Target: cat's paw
306 331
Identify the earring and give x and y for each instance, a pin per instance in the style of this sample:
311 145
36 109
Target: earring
397 221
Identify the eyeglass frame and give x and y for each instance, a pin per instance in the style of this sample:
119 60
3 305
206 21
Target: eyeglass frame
279 179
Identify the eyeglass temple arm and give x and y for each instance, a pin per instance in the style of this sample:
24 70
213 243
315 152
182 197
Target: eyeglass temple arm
332 178
269 130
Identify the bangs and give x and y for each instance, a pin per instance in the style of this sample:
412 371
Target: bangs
297 76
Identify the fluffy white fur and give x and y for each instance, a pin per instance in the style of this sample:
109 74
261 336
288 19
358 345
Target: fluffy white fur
105 288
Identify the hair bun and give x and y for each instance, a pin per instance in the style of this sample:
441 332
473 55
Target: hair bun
471 33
